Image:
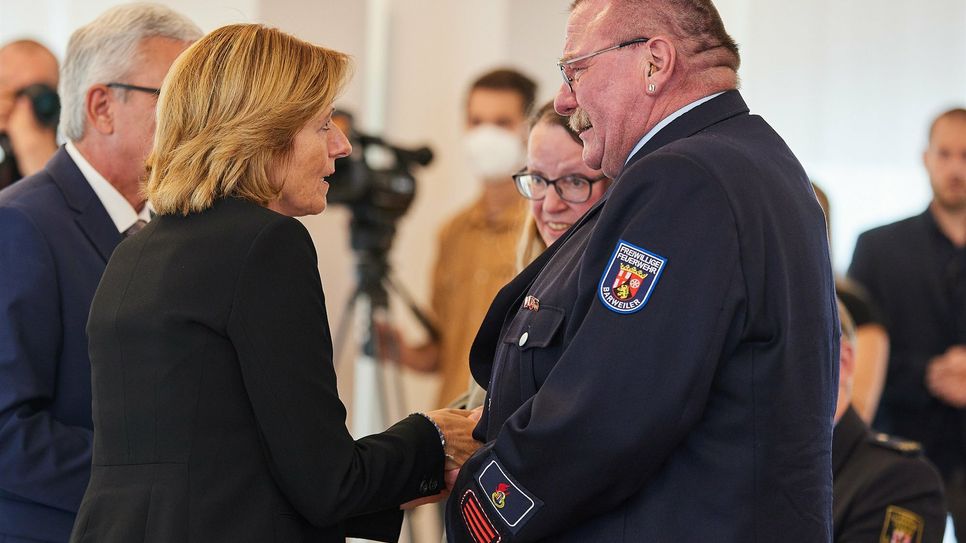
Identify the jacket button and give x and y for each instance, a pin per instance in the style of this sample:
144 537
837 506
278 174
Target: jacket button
434 485
424 487
524 338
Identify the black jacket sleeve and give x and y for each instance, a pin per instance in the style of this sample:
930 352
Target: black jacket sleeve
278 326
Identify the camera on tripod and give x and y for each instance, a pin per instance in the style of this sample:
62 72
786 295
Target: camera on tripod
376 183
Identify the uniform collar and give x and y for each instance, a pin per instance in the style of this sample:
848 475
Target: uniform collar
928 221
666 121
713 110
848 433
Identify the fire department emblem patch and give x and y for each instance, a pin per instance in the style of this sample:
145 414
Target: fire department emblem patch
901 526
499 495
629 278
512 503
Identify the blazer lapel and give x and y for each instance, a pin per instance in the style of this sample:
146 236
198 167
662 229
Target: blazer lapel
90 215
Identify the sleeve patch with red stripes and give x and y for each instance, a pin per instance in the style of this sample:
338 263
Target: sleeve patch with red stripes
477 523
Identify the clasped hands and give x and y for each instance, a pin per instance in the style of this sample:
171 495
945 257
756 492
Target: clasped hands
457 427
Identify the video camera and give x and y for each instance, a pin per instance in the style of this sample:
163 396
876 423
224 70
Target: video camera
46 107
376 194
376 183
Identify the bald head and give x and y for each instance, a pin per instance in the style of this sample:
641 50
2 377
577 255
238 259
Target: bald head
28 60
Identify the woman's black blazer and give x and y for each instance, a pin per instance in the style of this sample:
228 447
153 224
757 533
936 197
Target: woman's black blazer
216 414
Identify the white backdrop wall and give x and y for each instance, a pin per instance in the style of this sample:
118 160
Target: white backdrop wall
853 86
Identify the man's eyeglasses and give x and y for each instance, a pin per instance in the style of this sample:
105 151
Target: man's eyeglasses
566 66
125 86
575 189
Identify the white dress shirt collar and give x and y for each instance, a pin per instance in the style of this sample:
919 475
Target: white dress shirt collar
117 206
666 121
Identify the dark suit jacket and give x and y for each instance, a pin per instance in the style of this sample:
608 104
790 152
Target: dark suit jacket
883 484
915 275
55 239
704 415
216 413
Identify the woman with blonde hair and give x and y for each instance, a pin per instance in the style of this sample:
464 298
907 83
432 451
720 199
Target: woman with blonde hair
554 157
216 414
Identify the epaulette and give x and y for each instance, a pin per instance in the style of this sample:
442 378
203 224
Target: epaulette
904 446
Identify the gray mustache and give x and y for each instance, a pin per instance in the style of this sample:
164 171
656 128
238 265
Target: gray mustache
579 121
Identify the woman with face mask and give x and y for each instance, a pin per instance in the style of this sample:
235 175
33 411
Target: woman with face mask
476 247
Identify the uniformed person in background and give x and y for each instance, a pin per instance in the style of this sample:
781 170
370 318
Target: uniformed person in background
885 489
666 370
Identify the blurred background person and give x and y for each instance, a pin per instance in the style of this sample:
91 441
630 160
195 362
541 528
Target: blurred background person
58 228
915 271
871 344
884 489
216 412
475 252
559 187
28 134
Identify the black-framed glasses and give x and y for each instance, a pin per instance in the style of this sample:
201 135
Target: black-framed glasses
574 188
566 66
125 86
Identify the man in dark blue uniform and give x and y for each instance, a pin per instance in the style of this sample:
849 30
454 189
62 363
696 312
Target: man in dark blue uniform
885 489
915 272
666 372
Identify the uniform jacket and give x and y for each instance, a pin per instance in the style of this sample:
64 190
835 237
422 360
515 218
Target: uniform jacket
55 239
216 414
666 371
882 486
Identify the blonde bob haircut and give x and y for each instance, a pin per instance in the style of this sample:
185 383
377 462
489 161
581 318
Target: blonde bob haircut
229 111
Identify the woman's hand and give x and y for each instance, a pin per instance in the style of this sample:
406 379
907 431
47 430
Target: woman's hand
457 427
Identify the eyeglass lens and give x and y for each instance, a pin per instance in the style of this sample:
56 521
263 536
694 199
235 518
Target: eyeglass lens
571 188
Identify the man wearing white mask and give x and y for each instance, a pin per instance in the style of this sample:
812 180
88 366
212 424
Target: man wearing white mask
477 246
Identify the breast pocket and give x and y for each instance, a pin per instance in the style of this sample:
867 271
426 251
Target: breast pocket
531 337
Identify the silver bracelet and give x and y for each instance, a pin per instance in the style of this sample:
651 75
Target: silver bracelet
442 438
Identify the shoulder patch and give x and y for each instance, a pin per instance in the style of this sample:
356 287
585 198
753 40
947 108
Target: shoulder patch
629 278
901 526
513 504
899 445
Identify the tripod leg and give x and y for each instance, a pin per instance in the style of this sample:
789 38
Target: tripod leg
342 331
394 287
379 316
